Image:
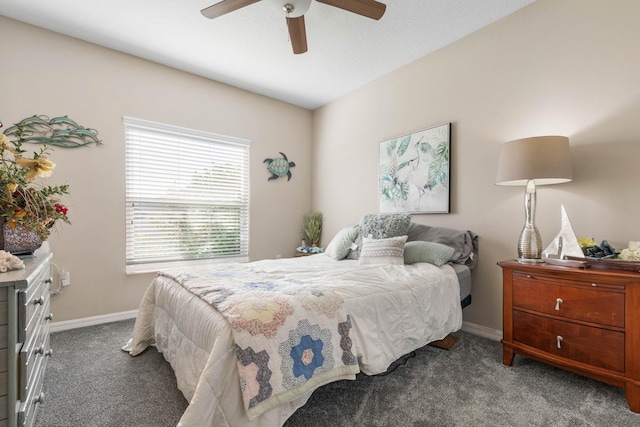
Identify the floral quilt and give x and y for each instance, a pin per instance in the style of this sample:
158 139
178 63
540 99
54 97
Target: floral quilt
291 334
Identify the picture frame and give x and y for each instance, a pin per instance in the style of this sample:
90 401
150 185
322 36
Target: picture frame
415 170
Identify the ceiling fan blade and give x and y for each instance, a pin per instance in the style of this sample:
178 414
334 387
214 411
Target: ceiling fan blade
297 34
224 7
369 8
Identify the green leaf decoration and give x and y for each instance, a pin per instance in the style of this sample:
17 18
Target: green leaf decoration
391 147
402 165
425 147
59 132
404 145
442 152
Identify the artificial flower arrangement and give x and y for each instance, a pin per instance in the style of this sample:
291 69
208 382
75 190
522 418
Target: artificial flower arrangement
23 202
632 252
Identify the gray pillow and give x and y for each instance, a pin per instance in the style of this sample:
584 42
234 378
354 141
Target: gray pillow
464 242
341 243
380 226
431 252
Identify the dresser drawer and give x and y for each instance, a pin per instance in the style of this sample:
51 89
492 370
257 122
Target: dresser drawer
34 350
4 321
599 347
4 338
601 303
35 396
30 302
3 411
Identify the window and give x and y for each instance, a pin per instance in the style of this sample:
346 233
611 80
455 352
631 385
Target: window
187 196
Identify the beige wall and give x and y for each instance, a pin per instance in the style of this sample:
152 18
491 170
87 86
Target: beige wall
566 67
46 73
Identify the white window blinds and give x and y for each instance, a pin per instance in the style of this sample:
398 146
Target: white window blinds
187 195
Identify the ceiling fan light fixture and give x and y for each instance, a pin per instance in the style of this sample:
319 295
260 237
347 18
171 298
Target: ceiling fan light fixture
292 8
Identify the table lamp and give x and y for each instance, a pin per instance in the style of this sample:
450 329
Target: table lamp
540 160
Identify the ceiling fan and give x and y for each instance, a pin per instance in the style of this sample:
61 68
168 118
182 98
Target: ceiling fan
295 10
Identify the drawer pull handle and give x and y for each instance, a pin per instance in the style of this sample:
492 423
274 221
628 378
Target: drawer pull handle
529 276
558 302
49 317
49 280
39 399
40 350
558 341
594 284
38 301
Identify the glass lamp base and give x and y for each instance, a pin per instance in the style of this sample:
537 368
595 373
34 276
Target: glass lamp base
530 245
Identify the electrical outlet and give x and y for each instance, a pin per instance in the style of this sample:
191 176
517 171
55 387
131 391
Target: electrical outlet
65 278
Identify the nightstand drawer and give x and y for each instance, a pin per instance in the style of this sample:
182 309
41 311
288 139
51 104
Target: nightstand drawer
601 303
594 346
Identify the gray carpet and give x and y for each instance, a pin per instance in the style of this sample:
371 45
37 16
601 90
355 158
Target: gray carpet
91 382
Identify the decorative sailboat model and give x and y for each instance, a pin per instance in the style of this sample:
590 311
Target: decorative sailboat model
564 248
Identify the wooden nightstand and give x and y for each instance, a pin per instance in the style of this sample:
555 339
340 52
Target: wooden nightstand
299 254
582 320
310 250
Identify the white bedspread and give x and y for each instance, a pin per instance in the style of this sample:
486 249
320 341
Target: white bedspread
394 310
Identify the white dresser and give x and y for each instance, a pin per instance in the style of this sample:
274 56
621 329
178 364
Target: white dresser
24 340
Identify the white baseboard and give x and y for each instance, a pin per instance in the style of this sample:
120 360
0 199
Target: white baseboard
483 331
90 321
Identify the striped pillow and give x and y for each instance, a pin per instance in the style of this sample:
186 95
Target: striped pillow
382 251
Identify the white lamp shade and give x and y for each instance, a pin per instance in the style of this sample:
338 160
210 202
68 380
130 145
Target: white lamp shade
543 159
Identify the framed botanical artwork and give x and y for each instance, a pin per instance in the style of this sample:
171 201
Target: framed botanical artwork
414 173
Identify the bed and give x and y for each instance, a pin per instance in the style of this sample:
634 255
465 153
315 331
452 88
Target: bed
250 342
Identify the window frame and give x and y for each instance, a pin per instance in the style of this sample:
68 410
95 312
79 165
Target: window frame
134 124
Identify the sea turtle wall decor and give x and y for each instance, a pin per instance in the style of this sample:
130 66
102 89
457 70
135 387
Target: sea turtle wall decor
280 166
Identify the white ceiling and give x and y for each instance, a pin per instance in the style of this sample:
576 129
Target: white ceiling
250 49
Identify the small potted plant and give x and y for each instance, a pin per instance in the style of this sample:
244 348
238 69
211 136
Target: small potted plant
312 226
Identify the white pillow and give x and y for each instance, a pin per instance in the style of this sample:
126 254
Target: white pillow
340 245
382 251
